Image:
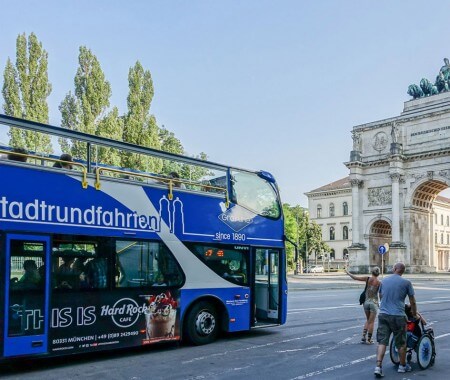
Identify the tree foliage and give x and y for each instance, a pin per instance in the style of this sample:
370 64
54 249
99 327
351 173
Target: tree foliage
305 233
139 126
111 127
85 110
25 90
195 172
169 143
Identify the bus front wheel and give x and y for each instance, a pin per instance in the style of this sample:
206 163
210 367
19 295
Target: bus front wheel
202 324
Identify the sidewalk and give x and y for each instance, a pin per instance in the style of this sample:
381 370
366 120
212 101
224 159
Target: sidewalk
336 280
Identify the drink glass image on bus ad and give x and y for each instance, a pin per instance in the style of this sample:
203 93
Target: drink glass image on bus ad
161 316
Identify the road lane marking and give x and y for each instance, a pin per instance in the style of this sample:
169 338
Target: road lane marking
254 347
347 364
348 328
430 288
296 311
298 349
209 375
430 302
335 367
330 348
346 305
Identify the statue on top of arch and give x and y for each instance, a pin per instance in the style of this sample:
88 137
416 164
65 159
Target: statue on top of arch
427 88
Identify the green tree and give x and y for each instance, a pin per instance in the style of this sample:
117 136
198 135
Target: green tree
169 143
315 242
139 126
195 172
111 127
70 113
25 90
291 232
85 110
305 233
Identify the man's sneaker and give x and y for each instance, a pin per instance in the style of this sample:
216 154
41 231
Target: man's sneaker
404 368
378 372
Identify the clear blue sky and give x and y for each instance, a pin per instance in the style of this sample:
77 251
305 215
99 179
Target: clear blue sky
272 85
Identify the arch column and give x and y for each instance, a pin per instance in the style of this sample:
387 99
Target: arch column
395 177
356 214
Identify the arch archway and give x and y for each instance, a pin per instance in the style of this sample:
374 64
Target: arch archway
398 167
420 218
380 233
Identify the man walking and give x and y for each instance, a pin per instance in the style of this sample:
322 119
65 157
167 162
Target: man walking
392 318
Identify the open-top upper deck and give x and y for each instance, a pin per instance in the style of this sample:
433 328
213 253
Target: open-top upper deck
208 202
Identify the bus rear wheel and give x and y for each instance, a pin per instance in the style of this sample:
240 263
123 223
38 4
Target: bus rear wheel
202 324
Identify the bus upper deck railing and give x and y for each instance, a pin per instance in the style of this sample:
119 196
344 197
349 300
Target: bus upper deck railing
158 179
88 165
102 169
38 158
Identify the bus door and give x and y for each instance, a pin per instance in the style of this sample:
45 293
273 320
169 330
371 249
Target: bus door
26 295
267 286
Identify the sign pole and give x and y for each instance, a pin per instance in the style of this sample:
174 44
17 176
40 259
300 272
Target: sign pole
382 249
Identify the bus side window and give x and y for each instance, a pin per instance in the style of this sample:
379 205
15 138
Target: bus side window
97 273
145 264
226 261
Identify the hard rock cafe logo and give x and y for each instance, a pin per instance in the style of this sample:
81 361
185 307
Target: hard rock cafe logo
125 312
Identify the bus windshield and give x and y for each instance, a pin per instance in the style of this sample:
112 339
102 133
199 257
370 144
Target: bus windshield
255 193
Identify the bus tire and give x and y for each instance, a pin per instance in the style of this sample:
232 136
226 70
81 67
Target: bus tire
201 324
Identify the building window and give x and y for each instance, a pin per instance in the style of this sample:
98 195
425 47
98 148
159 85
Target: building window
332 209
448 239
435 218
319 211
331 233
332 254
345 208
345 233
435 237
442 238
447 220
345 254
442 219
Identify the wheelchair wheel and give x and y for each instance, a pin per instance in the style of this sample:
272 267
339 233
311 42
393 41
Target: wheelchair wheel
393 352
425 351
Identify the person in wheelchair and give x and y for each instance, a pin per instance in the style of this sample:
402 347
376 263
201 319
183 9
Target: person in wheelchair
419 339
413 324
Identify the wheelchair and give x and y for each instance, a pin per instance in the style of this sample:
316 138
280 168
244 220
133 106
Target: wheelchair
418 339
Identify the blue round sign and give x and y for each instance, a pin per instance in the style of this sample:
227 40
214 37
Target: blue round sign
381 249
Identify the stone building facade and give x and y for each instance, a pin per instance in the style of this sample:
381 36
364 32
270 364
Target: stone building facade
398 166
330 206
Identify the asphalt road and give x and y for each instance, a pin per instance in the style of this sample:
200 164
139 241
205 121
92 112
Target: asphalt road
319 341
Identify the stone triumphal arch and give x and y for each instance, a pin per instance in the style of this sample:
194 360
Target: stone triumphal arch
398 166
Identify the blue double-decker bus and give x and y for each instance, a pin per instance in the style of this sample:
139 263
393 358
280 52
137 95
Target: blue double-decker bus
97 257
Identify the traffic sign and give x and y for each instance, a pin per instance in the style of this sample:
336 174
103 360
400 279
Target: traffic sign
381 249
